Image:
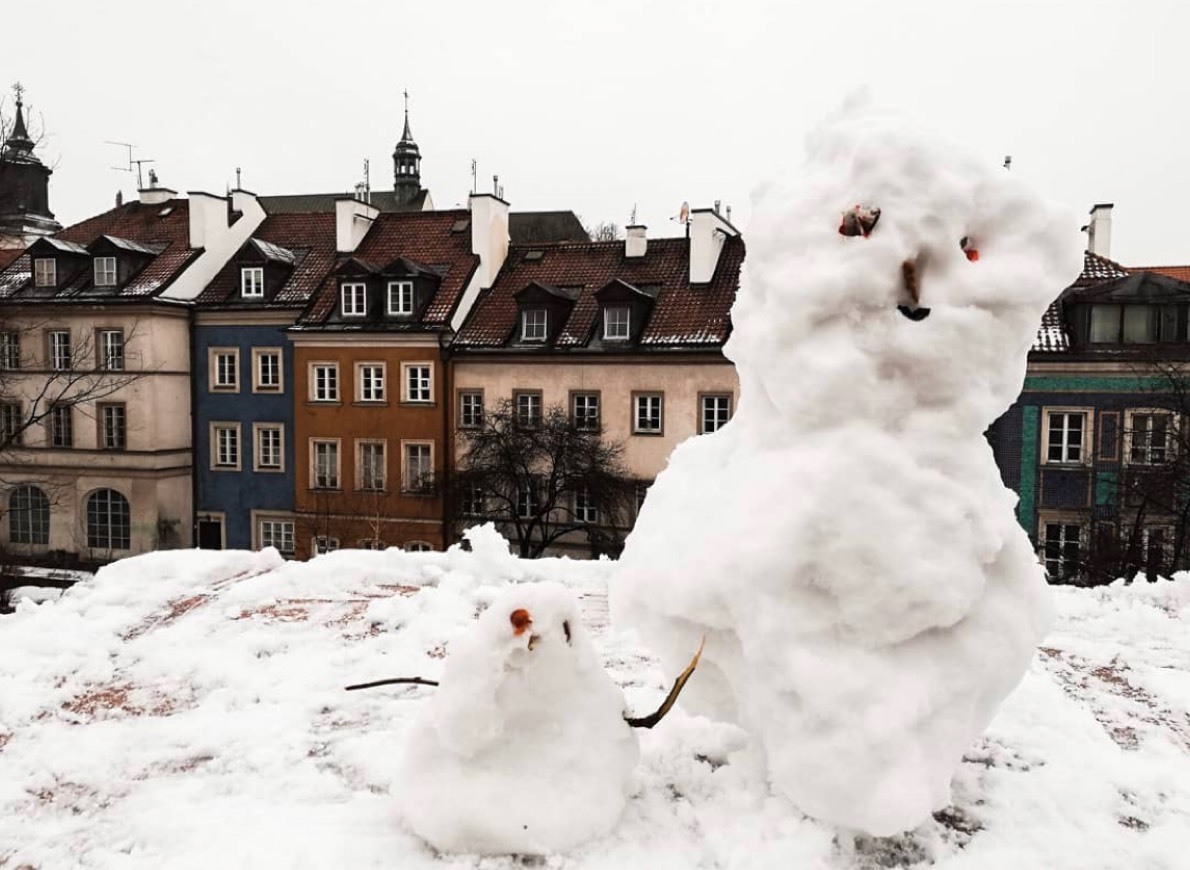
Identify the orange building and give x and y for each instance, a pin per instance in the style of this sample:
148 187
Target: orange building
370 382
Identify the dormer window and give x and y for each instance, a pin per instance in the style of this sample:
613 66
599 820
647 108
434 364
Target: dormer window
252 282
355 299
617 320
105 271
400 298
45 272
534 324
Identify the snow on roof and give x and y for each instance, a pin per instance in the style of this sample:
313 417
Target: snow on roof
171 698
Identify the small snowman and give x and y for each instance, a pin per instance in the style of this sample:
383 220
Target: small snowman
524 747
845 543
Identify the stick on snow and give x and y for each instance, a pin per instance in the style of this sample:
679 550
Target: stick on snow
417 680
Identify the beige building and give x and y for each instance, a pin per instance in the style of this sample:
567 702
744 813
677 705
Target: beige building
627 336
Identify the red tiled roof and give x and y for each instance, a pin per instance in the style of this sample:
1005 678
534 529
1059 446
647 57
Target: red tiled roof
1178 273
164 226
9 256
681 315
424 237
1051 335
1097 269
310 237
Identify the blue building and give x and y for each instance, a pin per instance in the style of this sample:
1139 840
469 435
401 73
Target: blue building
1093 446
243 382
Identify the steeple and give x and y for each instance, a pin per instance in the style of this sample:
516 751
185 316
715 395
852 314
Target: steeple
406 163
24 185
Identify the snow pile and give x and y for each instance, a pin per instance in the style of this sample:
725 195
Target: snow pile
524 747
845 542
186 710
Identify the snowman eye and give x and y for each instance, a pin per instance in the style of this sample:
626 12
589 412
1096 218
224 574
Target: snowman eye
520 620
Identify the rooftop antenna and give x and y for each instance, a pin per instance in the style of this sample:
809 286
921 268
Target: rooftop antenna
368 179
729 214
632 220
140 184
1008 161
238 179
474 176
495 185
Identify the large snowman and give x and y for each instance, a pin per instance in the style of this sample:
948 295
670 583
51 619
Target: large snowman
845 543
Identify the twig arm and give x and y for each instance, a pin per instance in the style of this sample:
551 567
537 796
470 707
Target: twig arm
415 680
670 699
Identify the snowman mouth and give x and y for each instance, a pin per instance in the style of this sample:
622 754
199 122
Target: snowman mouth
914 314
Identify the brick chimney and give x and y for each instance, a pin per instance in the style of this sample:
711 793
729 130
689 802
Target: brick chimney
1099 229
708 231
353 219
636 242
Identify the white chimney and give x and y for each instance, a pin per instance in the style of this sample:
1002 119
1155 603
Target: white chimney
208 218
636 243
708 231
1099 230
489 235
156 195
353 219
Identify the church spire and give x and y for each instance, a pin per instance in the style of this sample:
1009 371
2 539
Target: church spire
406 164
18 142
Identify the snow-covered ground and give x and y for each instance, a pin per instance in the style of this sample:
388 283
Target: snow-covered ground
187 710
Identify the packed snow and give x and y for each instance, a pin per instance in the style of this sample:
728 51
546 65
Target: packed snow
188 710
524 747
845 542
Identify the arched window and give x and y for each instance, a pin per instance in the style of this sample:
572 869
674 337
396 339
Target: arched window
28 516
108 521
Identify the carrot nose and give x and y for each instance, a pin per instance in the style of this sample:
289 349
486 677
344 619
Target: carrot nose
520 620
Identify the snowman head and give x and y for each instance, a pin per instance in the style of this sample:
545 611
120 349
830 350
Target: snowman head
924 314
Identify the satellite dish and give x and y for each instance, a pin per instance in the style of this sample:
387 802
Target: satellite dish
684 213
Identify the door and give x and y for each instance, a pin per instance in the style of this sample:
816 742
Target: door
210 534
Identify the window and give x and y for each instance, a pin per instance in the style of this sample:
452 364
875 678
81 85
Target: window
584 411
418 473
225 446
1133 324
224 369
1149 437
1061 549
400 298
527 406
1140 324
617 322
473 502
714 412
534 324
370 462
585 508
277 533
45 272
270 450
369 379
266 369
10 350
61 355
370 544
646 417
252 282
470 410
105 271
324 456
418 387
12 424
322 544
418 547
526 501
113 428
61 426
324 382
355 300
1065 437
111 350
28 516
108 521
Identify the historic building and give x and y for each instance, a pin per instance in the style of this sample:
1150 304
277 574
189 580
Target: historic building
625 335
1090 445
24 189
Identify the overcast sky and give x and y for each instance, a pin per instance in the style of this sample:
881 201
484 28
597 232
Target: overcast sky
597 106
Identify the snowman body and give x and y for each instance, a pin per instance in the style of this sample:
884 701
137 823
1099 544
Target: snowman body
523 748
846 543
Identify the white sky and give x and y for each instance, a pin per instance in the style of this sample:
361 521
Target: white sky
595 106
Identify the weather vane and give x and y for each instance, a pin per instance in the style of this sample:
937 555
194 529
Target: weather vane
19 90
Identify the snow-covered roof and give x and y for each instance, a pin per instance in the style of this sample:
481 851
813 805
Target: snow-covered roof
170 698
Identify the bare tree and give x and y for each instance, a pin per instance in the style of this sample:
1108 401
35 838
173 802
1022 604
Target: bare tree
541 479
604 231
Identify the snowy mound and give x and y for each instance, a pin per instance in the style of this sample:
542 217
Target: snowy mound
846 542
524 747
